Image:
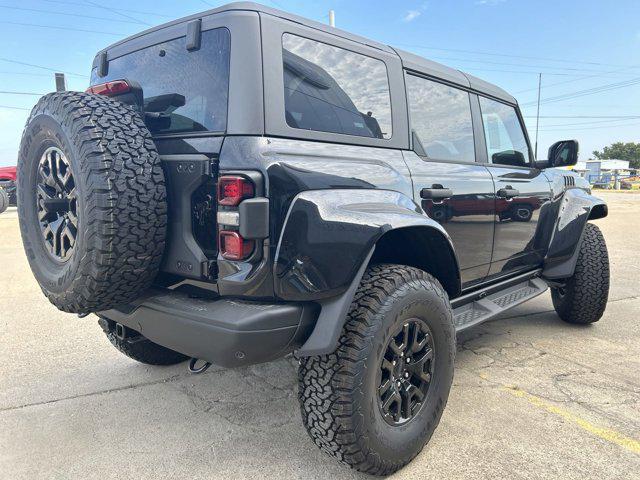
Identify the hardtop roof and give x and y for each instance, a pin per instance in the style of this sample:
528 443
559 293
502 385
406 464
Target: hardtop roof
409 60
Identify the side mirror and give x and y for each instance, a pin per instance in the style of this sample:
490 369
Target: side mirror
561 154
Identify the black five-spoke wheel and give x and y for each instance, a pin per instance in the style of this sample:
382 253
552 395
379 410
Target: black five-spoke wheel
56 203
406 371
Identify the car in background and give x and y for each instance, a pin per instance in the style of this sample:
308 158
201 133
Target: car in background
8 179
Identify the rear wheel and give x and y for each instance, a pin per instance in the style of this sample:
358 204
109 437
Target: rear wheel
139 348
583 297
375 402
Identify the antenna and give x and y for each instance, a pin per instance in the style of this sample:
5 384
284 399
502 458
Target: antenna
332 18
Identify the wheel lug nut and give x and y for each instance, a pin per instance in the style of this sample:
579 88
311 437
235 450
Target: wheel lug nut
406 374
399 383
393 363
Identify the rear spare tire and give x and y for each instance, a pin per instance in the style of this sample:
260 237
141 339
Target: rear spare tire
92 201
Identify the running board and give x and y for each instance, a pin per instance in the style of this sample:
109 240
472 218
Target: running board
492 304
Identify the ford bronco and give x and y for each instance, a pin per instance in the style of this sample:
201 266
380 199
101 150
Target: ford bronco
243 183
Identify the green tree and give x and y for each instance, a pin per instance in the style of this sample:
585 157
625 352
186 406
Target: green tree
621 151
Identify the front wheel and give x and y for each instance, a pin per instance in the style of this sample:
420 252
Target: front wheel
4 200
583 297
375 402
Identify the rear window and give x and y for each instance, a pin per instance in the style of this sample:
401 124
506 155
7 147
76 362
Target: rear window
184 91
330 89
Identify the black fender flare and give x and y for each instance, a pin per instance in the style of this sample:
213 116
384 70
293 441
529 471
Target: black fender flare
576 207
327 241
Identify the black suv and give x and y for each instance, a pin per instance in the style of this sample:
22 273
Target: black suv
244 183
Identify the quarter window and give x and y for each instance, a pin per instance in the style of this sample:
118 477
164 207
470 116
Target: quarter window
506 143
329 89
440 120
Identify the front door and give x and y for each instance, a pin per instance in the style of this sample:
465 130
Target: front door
452 188
521 190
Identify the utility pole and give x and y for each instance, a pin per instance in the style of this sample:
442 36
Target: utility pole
332 18
535 155
61 82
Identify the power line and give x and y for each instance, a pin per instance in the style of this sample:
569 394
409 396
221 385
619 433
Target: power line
536 72
2 59
26 73
593 122
583 116
62 2
586 128
478 52
15 108
469 60
64 28
10 92
577 79
78 15
117 12
589 91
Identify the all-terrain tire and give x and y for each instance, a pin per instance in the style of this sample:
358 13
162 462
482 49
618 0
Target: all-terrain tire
4 200
140 348
583 298
338 393
120 196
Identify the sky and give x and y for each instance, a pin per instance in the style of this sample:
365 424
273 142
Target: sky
588 52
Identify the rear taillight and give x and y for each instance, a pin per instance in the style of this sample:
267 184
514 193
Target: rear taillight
233 189
115 87
233 246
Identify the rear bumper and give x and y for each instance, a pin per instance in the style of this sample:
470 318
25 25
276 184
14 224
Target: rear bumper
225 332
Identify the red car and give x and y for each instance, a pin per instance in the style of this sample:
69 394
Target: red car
8 180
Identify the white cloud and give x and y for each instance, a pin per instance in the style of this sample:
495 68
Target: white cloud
489 2
411 15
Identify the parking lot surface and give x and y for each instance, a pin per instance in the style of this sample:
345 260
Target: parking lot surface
532 397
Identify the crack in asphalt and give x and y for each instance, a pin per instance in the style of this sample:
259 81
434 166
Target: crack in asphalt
90 394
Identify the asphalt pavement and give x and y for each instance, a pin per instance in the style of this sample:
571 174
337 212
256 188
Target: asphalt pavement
532 397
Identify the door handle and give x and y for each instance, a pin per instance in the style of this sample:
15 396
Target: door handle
508 192
436 193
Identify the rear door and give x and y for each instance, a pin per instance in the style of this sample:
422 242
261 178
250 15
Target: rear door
452 187
520 190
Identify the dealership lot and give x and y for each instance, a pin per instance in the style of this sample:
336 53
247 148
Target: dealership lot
532 397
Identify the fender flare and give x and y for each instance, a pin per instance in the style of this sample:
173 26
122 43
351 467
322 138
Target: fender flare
576 208
327 241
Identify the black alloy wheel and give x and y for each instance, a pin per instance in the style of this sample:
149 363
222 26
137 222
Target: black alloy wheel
405 372
57 204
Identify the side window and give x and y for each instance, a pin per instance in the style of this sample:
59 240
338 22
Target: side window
440 120
506 143
329 89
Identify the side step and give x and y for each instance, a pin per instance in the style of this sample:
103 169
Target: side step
492 304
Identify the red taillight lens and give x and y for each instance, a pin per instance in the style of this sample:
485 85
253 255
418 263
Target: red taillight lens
232 190
116 87
233 246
